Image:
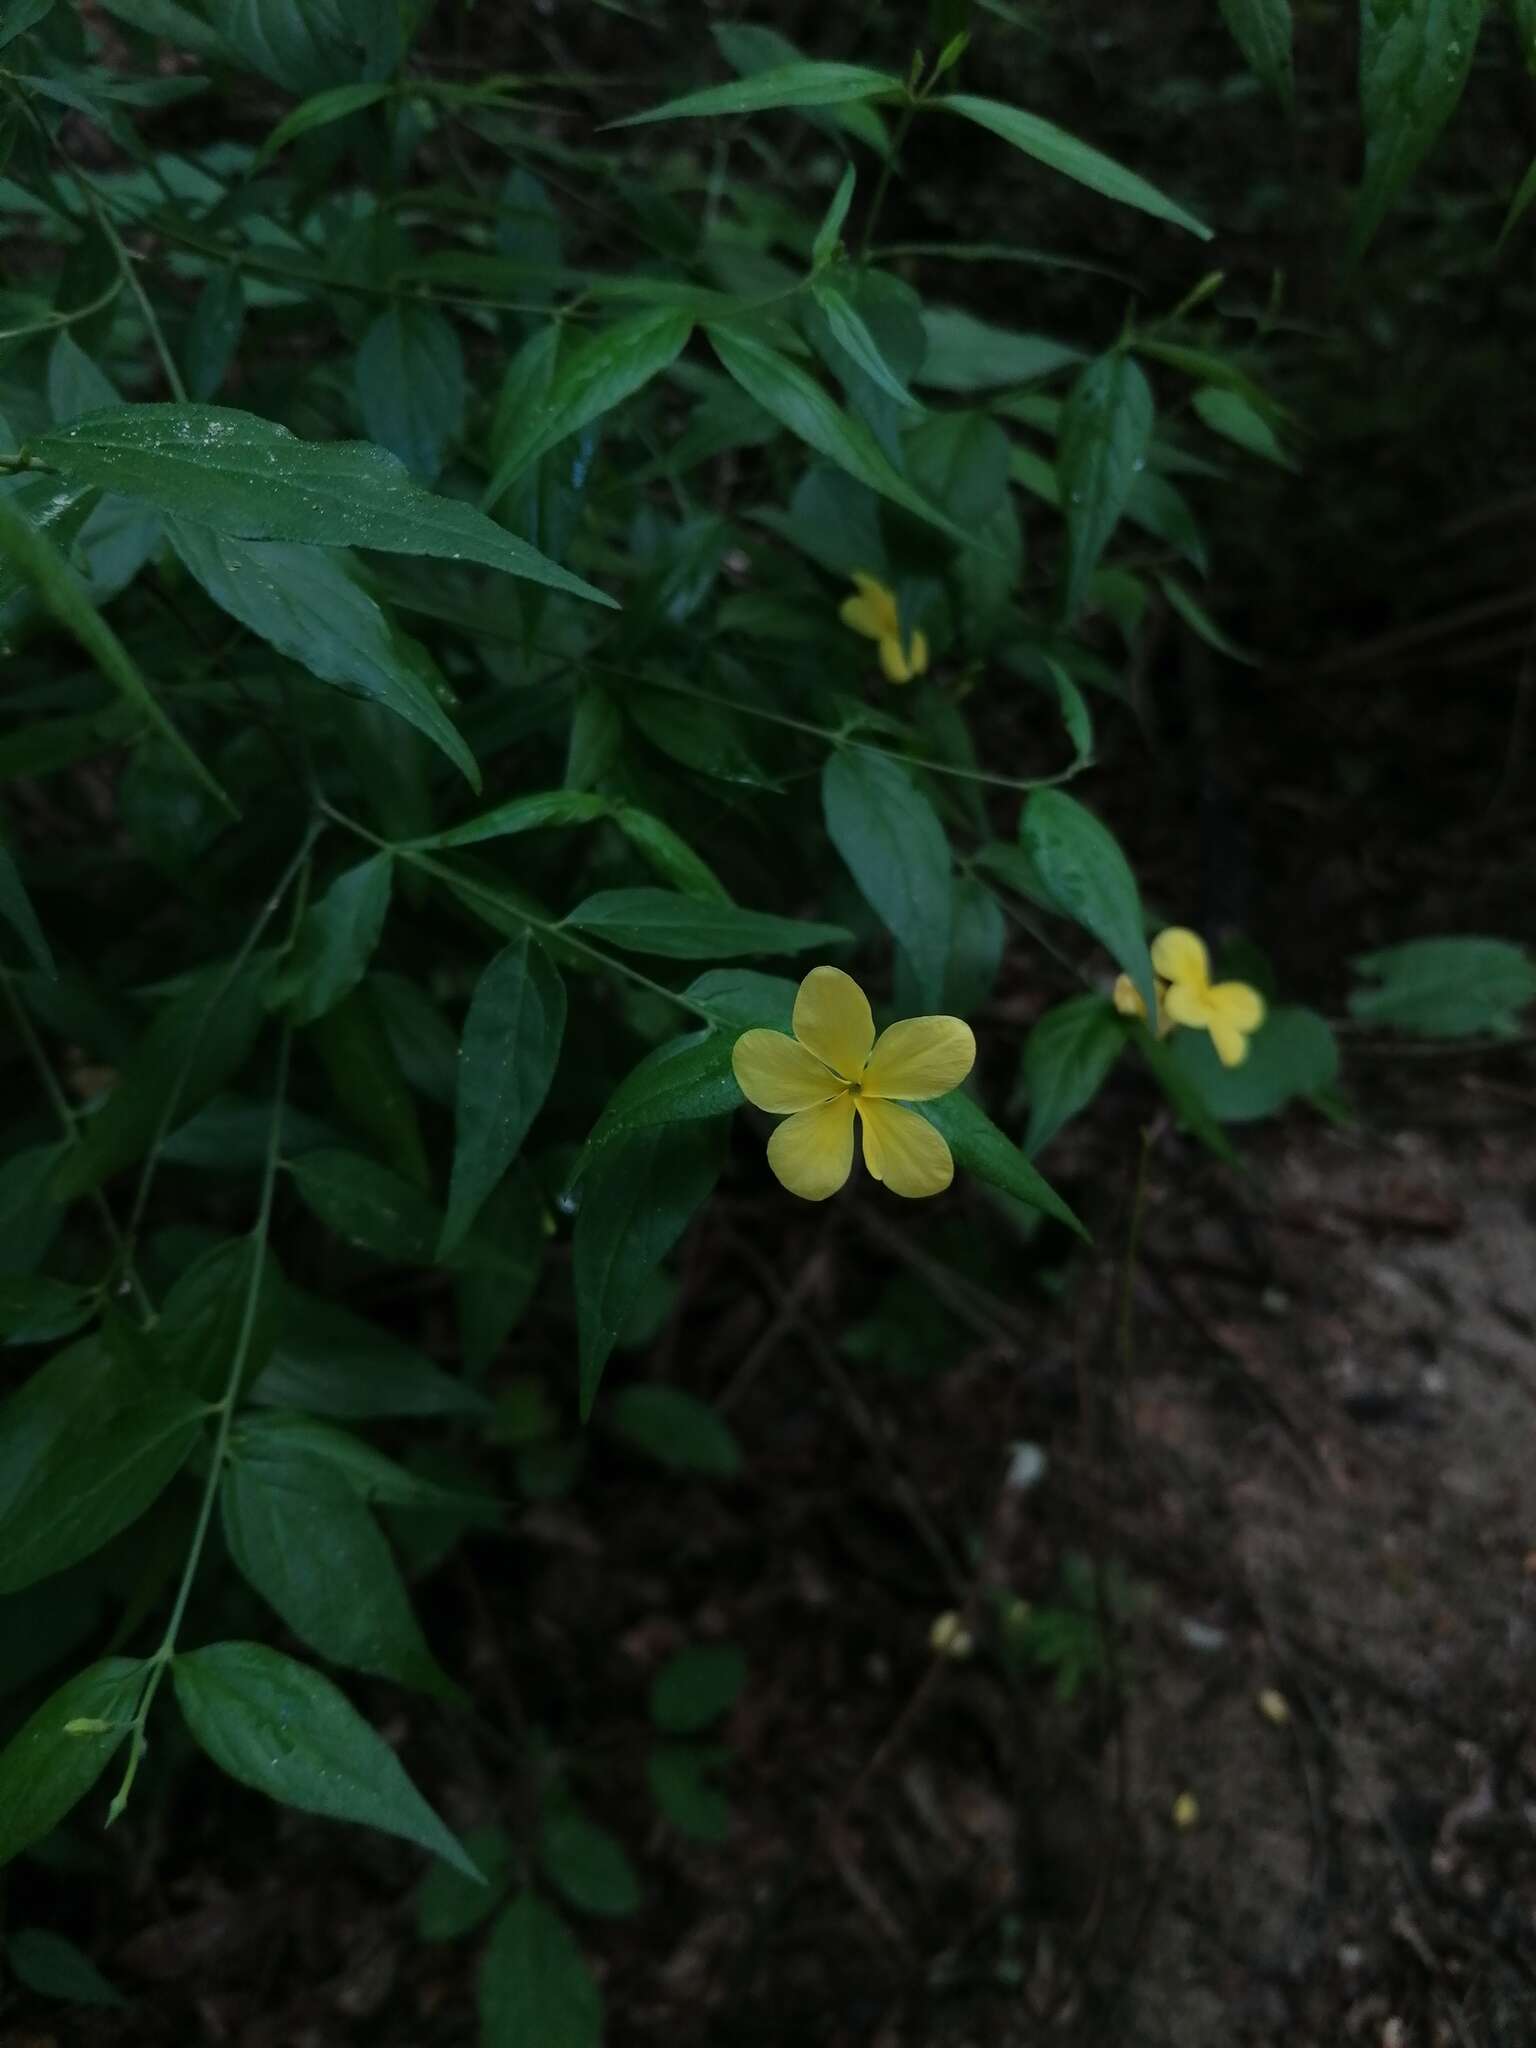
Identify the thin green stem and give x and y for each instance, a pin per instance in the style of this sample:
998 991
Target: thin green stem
130 277
224 1407
122 1255
877 204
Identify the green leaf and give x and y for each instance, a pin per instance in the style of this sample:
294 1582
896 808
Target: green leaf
85 1447
30 1218
1292 1053
965 354
305 602
75 383
449 1904
1106 428
671 856
318 111
499 1268
960 461
45 1769
1067 1058
251 479
44 570
805 84
369 1474
16 909
369 1206
369 1087
281 1728
1080 862
335 942
54 1968
684 928
1195 616
410 386
586 1864
1062 152
850 332
37 1311
306 45
1262 31
213 332
678 1775
891 841
676 1430
636 1200
20 16
313 1551
1415 56
525 814
799 403
535 1989
981 1148
599 374
1229 414
328 1361
229 1298
825 245
1172 1077
196 1044
696 1686
1158 508
685 1079
507 1060
1446 988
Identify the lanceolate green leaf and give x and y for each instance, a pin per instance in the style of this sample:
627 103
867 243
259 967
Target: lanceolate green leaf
328 1361
48 1766
982 1149
1080 862
1067 1056
196 1044
283 1729
410 386
507 1060
336 941
335 104
680 927
1105 429
805 84
85 1447
599 374
251 479
1414 59
302 1538
1062 152
369 1206
16 909
525 814
636 1201
849 329
305 602
39 564
799 403
1262 29
893 845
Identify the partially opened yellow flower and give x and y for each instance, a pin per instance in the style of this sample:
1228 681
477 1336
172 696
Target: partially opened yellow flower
833 1069
1230 1010
1128 1001
874 613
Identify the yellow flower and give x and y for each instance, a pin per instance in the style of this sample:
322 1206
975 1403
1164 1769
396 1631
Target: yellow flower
832 1069
1128 1001
874 614
1230 1010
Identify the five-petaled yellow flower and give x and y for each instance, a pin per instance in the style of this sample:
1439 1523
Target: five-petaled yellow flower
832 1069
874 613
1230 1010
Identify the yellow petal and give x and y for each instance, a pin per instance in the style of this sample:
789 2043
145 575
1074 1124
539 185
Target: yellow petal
920 1058
917 654
893 661
1231 1044
873 611
903 1149
775 1073
1128 997
812 1153
1187 1005
832 1019
1180 955
1239 1004
864 615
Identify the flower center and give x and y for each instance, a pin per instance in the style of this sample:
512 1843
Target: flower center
854 1087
